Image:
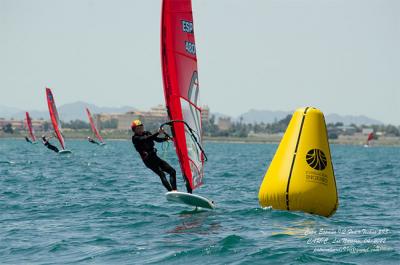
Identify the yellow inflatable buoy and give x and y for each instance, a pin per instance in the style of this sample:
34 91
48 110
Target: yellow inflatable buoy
300 176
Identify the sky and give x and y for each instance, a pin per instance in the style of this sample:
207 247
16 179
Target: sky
341 56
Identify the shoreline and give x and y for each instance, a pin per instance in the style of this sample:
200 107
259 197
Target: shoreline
356 141
264 139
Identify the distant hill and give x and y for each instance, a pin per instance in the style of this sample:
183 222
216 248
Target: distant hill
76 110
349 119
73 111
8 112
67 112
267 116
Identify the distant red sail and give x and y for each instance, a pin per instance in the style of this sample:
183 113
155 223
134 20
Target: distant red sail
30 128
54 117
181 86
94 129
370 136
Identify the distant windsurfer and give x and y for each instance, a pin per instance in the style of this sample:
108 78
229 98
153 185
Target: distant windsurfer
27 139
144 144
92 141
48 144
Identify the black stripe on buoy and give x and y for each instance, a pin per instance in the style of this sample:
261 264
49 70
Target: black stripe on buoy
294 158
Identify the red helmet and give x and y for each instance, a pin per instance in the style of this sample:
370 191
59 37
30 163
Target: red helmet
136 123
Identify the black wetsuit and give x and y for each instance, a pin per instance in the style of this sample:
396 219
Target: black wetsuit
28 140
49 145
92 141
144 144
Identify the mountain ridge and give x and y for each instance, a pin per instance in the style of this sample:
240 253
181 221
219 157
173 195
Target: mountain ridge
67 112
76 110
268 116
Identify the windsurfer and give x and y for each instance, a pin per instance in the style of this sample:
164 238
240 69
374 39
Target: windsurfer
27 139
144 144
93 141
48 144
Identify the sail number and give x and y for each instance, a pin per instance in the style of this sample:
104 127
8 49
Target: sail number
190 47
187 26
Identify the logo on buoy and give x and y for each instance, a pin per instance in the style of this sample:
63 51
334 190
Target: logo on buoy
316 159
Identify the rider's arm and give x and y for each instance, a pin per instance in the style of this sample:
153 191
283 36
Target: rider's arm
147 137
160 140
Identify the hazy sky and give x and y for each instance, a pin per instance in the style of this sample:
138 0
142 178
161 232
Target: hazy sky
341 56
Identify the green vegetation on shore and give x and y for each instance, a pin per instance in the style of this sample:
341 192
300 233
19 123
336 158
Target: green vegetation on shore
237 132
265 138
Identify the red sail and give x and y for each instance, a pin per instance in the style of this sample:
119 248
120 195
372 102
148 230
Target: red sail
370 136
54 116
94 129
181 87
30 128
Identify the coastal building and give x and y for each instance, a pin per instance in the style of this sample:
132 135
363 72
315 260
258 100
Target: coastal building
158 111
366 131
120 121
156 115
205 113
37 125
347 130
224 123
124 120
15 124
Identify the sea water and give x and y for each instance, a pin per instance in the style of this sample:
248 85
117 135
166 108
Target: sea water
100 205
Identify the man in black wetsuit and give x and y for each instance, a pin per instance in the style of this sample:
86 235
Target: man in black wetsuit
27 139
48 144
144 144
92 141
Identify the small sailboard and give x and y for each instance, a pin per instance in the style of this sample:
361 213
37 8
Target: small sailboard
55 120
94 129
31 132
64 152
189 199
369 139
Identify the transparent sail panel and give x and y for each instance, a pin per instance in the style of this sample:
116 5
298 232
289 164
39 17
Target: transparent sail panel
192 116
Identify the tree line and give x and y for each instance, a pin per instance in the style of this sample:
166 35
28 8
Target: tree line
236 129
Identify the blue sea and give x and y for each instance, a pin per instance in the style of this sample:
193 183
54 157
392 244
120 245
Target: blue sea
100 205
